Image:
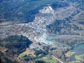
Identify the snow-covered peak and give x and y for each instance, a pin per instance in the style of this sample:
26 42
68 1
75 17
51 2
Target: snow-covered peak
47 9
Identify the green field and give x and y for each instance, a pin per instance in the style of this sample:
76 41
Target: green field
47 59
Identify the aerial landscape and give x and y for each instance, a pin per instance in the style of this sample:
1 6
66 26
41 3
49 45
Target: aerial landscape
41 31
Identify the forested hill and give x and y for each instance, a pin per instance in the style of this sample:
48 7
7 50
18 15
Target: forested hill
11 47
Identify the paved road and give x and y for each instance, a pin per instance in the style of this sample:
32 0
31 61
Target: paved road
58 59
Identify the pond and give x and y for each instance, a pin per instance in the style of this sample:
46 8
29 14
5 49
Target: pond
79 51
